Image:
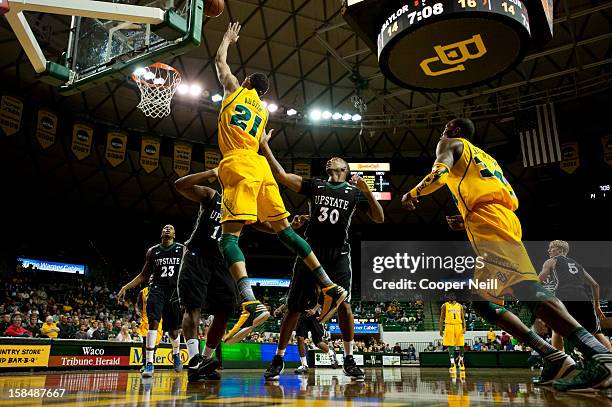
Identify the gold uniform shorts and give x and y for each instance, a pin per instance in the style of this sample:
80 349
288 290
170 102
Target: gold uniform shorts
453 335
495 233
250 191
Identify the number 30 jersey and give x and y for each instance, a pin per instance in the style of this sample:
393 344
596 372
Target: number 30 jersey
331 207
165 262
477 178
241 120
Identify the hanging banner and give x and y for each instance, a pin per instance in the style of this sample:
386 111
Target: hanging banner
11 110
212 158
570 160
606 142
46 128
182 159
82 140
302 169
116 146
149 153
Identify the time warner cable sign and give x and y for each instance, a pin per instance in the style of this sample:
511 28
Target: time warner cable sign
439 270
51 266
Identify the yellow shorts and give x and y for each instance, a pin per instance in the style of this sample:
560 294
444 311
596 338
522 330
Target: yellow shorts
143 328
453 335
250 191
495 233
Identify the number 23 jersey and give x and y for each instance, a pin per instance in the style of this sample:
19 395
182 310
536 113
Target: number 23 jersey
165 262
331 207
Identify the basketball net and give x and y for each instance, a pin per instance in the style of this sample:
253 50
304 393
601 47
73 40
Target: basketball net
157 84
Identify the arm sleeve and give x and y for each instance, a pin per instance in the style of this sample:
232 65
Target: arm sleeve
307 187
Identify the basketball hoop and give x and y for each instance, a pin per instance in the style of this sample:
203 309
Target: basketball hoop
157 84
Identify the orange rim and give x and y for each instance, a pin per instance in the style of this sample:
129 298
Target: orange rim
159 65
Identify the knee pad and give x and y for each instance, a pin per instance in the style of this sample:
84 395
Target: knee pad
488 310
294 242
228 245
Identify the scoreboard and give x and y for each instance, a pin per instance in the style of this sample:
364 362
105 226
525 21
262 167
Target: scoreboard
377 176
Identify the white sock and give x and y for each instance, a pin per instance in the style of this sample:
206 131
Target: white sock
303 360
208 352
176 344
151 341
452 360
280 352
348 347
193 347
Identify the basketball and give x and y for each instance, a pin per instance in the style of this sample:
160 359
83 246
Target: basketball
213 8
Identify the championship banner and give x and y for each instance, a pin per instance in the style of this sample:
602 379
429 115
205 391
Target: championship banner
570 160
116 146
82 139
11 110
46 128
149 153
303 169
163 357
606 142
182 159
212 158
20 356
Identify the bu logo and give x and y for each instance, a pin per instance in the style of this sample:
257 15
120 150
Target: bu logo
454 54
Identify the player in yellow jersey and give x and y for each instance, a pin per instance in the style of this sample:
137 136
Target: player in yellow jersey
452 329
143 327
487 203
250 192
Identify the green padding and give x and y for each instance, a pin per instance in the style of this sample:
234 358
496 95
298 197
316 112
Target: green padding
55 74
294 242
228 244
173 27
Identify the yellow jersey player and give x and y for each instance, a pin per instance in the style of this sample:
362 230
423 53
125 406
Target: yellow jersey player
452 329
487 203
143 327
250 192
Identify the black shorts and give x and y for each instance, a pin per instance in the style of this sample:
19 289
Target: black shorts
161 307
310 324
303 291
206 283
584 313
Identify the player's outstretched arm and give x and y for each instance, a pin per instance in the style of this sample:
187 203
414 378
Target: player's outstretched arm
139 279
436 178
224 73
547 268
595 290
375 211
189 185
291 181
442 315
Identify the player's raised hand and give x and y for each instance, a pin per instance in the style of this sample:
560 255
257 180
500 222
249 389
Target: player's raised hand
299 221
455 222
121 295
265 137
359 183
409 202
232 32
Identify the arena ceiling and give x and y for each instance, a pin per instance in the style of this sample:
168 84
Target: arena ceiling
314 60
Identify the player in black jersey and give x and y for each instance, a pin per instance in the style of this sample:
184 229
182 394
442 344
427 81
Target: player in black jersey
332 203
578 291
161 267
204 283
